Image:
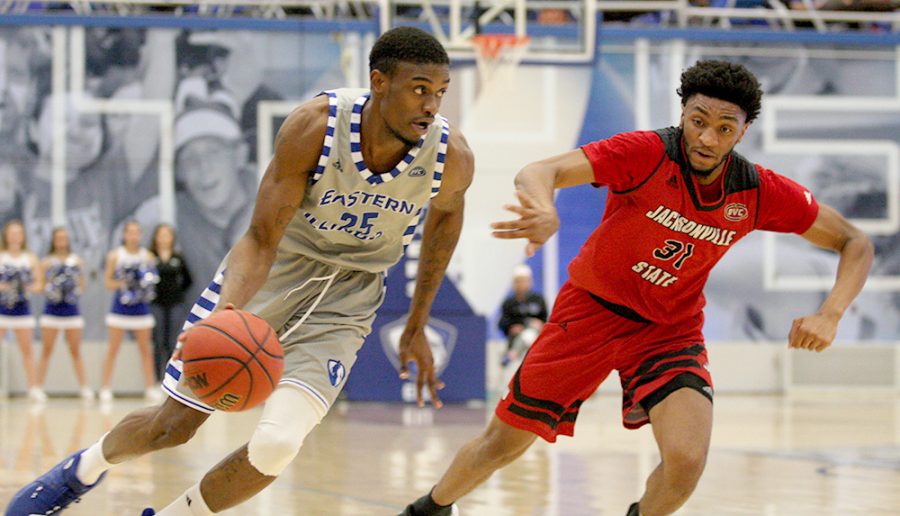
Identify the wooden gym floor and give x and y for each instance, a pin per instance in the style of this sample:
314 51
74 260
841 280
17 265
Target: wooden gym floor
826 455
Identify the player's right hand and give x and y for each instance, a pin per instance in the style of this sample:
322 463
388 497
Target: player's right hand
414 347
536 223
814 332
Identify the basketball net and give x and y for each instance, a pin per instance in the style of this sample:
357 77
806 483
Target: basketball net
498 56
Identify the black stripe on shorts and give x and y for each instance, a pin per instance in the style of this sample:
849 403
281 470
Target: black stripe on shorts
685 379
521 401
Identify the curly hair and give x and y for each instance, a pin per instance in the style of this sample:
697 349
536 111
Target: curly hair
724 81
406 45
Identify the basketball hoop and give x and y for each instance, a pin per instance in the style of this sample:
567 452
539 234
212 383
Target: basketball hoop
498 56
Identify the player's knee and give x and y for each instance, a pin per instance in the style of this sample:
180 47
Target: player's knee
499 449
288 418
273 447
685 464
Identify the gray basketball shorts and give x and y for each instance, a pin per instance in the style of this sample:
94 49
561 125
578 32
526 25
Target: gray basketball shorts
321 313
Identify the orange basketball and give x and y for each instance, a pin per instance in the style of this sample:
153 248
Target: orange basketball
232 360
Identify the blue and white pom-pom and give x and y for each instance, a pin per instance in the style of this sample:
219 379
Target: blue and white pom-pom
140 284
62 286
16 279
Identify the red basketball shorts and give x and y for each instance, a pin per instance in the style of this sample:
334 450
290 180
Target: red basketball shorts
584 341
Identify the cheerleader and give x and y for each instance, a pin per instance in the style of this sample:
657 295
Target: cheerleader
131 274
17 273
63 277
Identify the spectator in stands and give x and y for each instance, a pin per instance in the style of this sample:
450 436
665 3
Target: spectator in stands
168 307
131 275
18 268
523 314
20 49
202 60
214 187
62 283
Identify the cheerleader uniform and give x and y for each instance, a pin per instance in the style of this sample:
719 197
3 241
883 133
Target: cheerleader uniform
131 302
15 312
62 291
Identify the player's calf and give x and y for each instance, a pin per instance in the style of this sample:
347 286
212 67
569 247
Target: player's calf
154 428
289 415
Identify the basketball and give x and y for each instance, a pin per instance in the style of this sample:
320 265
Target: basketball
232 360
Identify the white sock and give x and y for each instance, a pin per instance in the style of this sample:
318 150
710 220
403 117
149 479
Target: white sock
92 463
191 503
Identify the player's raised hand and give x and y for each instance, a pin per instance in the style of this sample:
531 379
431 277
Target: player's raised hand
536 222
414 348
813 332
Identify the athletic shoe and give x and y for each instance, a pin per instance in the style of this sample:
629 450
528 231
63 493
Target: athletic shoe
86 393
106 395
37 395
453 510
53 491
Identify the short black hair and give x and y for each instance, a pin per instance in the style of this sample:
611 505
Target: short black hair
722 80
406 45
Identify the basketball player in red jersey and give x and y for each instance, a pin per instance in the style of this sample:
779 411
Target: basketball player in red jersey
678 199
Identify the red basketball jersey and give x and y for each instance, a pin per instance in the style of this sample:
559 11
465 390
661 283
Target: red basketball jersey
657 242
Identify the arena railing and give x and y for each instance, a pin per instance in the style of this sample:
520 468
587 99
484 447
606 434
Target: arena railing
570 38
684 11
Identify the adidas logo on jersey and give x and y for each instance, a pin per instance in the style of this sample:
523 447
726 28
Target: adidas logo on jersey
417 172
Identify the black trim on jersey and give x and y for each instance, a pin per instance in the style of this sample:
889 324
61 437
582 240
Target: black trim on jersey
741 174
658 164
620 310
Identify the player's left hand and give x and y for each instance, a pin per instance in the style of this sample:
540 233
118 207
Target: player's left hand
181 336
813 332
536 223
414 347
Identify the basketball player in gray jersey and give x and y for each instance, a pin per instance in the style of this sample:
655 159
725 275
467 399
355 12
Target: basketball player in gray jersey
352 172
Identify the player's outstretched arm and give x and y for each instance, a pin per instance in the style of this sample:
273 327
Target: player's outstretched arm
535 185
832 231
297 148
441 233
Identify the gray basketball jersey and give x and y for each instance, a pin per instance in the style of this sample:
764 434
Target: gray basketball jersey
351 217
